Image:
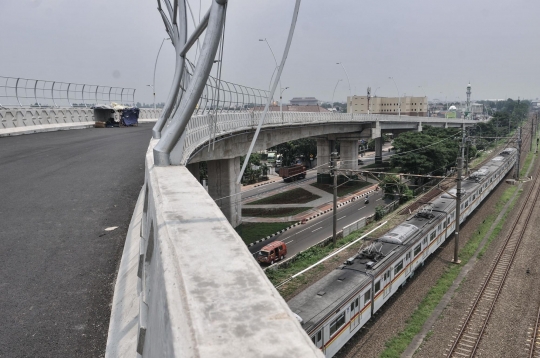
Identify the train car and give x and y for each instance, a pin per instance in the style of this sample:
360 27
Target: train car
334 308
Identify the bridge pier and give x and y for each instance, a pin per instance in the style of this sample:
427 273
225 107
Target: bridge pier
323 160
348 154
378 150
222 187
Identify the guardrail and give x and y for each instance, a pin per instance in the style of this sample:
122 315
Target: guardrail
21 92
194 298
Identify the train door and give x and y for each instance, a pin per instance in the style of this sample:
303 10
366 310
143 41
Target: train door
426 251
317 339
387 281
355 315
407 262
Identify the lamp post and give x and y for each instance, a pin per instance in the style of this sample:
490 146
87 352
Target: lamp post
280 101
275 61
399 97
334 93
155 66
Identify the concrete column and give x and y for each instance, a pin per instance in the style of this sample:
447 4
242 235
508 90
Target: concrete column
194 170
349 154
378 150
323 156
223 189
419 126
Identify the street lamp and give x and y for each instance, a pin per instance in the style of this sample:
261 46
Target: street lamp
280 101
334 93
155 66
275 61
346 74
399 97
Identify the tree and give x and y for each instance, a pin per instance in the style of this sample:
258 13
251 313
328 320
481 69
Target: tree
392 187
431 151
301 148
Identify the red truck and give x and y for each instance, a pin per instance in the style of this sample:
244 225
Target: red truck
292 173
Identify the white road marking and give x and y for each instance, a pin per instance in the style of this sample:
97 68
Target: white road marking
111 228
342 217
363 207
317 229
288 242
379 199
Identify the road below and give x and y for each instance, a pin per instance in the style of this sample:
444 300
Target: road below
301 237
60 191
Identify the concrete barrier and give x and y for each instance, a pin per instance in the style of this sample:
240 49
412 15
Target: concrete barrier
199 291
28 120
358 224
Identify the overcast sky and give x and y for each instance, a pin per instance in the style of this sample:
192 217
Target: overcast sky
438 45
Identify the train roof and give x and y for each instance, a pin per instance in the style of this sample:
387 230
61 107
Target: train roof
328 294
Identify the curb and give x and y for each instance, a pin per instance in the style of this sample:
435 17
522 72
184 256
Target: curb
265 183
309 218
271 236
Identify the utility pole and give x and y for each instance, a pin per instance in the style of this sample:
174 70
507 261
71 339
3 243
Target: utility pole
458 199
468 144
532 133
516 175
334 214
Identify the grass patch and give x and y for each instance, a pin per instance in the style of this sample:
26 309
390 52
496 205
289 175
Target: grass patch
295 196
251 232
272 212
398 344
344 189
527 163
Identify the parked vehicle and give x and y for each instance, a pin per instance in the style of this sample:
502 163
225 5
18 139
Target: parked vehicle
272 252
271 158
292 173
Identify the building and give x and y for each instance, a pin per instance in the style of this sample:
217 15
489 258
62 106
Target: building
304 101
410 106
477 108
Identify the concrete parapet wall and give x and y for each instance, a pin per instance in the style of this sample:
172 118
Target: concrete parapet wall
200 293
27 120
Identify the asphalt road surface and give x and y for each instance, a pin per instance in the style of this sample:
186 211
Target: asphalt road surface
59 192
301 237
311 174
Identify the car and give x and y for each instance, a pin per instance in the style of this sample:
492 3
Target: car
272 252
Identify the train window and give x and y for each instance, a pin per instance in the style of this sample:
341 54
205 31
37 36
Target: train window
417 250
356 302
425 241
432 236
319 336
367 296
444 224
352 308
377 286
398 267
313 339
408 256
337 323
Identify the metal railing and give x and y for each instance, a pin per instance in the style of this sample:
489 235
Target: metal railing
219 96
21 92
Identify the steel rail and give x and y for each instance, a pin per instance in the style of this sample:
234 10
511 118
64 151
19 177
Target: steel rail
497 266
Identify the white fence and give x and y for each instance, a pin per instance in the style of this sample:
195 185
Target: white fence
358 224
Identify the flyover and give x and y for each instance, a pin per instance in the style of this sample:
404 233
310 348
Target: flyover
187 285
222 139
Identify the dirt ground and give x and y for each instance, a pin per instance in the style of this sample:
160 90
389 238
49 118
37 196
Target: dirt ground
514 314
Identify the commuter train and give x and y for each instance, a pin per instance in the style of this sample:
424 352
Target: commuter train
334 308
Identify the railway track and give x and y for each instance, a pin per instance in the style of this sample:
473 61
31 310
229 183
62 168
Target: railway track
534 345
471 332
